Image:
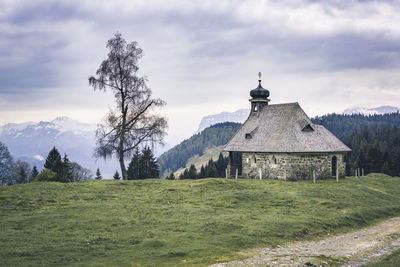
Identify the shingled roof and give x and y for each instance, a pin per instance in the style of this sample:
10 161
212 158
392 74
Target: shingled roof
283 128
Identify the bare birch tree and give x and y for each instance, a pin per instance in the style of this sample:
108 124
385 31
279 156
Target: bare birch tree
131 124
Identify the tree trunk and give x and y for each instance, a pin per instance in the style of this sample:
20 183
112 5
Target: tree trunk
123 169
121 154
124 111
121 158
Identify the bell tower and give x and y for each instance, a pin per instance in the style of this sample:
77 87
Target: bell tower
259 97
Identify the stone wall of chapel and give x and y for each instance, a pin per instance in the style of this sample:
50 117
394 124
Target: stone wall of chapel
291 166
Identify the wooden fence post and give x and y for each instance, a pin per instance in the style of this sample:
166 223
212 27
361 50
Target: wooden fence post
236 173
337 173
226 173
259 170
313 176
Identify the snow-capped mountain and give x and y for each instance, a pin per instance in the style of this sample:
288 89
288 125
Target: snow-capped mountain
371 111
237 116
32 141
66 124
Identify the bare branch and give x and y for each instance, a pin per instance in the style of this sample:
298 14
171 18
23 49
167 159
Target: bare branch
132 126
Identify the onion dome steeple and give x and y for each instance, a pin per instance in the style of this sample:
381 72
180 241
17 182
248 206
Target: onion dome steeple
259 92
259 97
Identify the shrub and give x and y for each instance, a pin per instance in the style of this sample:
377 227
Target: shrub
46 176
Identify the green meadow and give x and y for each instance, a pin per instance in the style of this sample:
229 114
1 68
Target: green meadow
188 222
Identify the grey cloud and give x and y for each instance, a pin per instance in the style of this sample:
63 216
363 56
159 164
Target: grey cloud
50 11
313 54
191 51
326 52
38 67
333 53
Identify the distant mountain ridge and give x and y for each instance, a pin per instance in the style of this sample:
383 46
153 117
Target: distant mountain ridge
371 111
32 141
237 116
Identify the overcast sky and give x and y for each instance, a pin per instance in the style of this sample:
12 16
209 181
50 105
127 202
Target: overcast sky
201 57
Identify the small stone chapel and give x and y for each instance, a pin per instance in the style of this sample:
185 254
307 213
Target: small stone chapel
280 142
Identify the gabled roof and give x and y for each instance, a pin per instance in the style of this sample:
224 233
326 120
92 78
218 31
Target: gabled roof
283 128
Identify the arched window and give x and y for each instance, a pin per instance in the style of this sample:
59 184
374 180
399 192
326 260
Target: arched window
274 160
255 160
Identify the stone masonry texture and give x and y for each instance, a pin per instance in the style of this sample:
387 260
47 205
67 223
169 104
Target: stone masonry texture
291 166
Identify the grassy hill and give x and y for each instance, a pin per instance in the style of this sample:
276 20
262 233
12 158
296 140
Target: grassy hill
188 222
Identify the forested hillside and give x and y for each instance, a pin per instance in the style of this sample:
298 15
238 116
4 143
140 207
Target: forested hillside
374 150
374 140
216 135
344 125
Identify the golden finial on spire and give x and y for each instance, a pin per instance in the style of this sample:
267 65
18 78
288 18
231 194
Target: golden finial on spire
259 76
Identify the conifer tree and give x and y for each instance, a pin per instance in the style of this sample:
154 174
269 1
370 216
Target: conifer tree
212 171
374 158
185 174
148 167
385 168
202 173
134 166
116 176
374 150
386 159
360 161
22 172
98 174
220 165
53 161
34 173
66 172
396 163
192 174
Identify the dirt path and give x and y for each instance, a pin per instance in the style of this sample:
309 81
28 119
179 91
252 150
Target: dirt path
353 249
